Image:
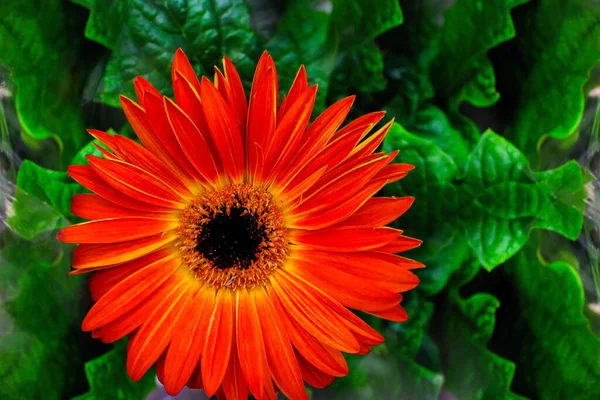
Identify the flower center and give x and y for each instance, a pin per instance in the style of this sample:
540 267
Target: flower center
233 237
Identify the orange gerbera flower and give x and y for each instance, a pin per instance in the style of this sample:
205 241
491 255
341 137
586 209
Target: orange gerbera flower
229 246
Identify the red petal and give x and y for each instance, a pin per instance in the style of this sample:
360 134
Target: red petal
250 344
358 291
224 129
322 356
396 314
280 353
130 292
262 110
217 348
115 230
155 334
182 65
193 142
136 182
102 281
234 384
88 257
312 315
380 211
90 179
344 239
400 244
92 206
312 375
187 344
299 85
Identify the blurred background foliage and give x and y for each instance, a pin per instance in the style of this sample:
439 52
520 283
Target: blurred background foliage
494 102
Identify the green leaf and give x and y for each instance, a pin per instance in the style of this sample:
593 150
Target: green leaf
42 200
557 356
485 213
101 12
508 200
38 47
42 349
559 43
151 32
470 369
462 70
108 379
303 37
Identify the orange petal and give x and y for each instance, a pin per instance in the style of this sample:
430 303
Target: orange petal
313 316
130 292
380 211
128 323
217 348
141 87
90 179
336 213
334 190
369 145
262 109
396 314
224 130
236 96
234 384
344 239
289 132
102 281
318 135
115 230
363 332
400 244
280 354
140 123
299 85
370 119
250 344
362 266
88 257
193 142
182 65
137 155
136 182
92 206
187 344
312 375
155 334
325 358
334 152
393 172
358 291
157 116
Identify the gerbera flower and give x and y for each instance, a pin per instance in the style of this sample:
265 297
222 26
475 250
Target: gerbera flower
232 243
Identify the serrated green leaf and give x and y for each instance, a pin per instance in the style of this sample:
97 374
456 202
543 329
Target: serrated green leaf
557 356
488 212
462 70
559 42
152 31
42 200
37 45
108 379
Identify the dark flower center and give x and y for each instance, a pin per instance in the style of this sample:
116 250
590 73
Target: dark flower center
231 239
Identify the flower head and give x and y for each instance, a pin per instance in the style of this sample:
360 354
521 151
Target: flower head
232 243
